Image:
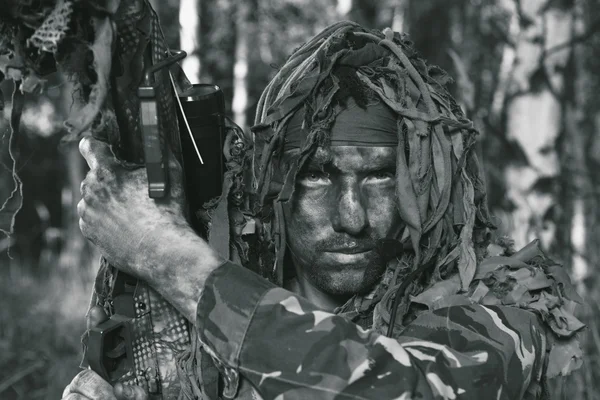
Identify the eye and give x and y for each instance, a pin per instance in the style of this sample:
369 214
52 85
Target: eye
312 177
383 174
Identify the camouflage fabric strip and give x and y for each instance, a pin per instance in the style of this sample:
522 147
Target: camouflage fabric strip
289 349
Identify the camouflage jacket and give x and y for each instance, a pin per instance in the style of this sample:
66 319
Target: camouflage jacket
273 344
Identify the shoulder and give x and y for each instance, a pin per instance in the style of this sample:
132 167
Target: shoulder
520 305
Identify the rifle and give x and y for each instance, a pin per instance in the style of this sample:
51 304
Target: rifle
128 98
127 347
140 342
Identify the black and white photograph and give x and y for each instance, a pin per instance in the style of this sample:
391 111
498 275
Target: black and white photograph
299 199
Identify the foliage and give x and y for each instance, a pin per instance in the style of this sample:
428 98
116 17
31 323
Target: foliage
41 321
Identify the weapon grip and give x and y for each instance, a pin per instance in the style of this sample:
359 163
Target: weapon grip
109 351
109 348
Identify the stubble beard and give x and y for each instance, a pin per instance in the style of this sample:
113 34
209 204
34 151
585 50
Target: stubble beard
345 280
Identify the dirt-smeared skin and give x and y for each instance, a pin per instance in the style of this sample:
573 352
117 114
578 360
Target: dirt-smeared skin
344 196
147 238
88 385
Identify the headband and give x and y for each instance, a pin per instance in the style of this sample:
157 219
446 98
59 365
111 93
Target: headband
373 126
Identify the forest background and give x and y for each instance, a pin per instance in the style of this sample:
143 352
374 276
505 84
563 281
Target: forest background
526 73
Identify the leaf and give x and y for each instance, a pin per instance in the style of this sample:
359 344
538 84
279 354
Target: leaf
493 263
453 255
518 295
495 250
565 357
561 276
544 303
409 210
563 323
467 263
452 300
490 299
531 278
438 291
480 291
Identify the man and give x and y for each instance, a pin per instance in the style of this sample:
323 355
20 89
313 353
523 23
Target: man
367 207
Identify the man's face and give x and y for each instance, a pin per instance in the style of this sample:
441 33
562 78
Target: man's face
343 202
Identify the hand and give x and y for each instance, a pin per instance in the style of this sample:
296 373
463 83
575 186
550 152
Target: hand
116 213
147 238
87 385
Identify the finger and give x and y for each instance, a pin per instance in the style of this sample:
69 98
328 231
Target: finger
95 316
174 163
85 188
175 176
66 391
81 207
129 392
95 152
91 385
83 227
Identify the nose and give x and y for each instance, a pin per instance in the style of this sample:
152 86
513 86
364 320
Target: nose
350 215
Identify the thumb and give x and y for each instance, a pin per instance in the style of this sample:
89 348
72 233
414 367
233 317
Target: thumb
95 317
129 392
175 167
95 152
175 176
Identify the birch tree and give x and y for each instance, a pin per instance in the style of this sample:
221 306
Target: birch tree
531 96
190 37
245 35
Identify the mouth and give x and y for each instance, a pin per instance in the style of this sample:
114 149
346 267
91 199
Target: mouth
349 256
350 250
350 247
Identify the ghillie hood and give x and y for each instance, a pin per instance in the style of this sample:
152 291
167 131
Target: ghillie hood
440 189
444 256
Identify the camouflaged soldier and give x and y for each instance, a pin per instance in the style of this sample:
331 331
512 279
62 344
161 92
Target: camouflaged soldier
349 255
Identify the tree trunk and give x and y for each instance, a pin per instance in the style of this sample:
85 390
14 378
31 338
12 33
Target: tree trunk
580 160
168 13
190 38
531 96
75 249
245 30
433 42
588 109
399 20
343 8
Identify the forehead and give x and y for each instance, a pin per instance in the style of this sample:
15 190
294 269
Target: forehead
348 156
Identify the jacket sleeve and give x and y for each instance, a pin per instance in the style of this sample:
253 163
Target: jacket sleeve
289 349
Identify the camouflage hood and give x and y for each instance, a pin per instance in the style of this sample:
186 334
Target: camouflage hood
444 257
440 190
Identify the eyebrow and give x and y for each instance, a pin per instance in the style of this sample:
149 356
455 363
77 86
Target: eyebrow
322 158
324 161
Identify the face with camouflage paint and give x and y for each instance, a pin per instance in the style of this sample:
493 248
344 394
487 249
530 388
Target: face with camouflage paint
343 202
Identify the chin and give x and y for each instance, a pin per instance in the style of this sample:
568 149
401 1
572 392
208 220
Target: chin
346 282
